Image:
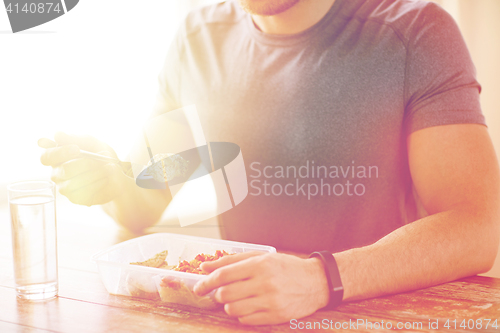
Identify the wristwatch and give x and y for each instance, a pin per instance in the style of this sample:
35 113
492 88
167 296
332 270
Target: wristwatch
333 278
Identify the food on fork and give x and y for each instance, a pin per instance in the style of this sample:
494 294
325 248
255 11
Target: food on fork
167 167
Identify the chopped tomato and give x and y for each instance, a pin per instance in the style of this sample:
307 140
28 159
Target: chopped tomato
193 266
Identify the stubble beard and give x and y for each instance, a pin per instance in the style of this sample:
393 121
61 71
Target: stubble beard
267 7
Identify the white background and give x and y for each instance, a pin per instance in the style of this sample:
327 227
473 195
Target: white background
91 71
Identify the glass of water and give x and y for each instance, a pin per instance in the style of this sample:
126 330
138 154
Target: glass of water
34 238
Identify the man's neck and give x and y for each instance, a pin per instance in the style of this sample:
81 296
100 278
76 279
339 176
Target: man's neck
298 18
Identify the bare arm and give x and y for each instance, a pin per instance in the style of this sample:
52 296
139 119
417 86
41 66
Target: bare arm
136 208
456 174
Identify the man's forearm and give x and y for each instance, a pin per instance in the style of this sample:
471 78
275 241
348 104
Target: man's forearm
137 208
436 249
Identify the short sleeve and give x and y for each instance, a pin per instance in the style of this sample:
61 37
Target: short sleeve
440 79
167 98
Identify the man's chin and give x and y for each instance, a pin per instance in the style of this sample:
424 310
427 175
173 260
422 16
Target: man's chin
267 7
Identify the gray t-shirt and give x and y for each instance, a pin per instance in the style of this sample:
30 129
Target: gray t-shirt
322 117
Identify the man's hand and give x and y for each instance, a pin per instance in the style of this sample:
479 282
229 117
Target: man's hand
84 181
265 289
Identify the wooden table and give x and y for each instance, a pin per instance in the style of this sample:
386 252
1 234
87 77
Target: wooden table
84 305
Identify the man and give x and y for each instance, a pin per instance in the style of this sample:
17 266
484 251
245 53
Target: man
349 86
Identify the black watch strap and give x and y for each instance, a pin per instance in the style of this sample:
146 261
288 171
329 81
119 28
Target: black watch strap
333 277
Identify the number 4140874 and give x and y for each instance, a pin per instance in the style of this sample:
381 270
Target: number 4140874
471 324
34 8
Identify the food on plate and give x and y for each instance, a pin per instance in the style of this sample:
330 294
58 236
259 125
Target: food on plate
171 288
158 261
141 285
193 266
167 167
174 290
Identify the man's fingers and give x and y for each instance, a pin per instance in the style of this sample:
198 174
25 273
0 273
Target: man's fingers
210 266
244 307
85 142
240 270
237 291
76 167
58 155
46 143
83 180
89 195
112 189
